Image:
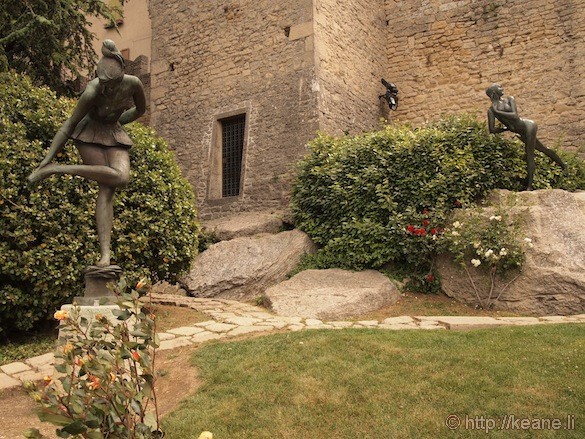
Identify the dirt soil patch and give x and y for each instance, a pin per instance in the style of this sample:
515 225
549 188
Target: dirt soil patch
176 379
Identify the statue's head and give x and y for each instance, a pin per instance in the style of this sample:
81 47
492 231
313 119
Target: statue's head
110 69
494 91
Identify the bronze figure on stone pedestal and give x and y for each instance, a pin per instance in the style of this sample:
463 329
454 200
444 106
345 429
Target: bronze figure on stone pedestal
504 110
96 128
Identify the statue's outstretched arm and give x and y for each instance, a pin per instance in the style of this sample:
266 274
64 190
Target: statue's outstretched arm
492 123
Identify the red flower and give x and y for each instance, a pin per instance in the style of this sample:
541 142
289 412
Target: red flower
425 211
426 223
430 277
410 228
420 232
433 231
457 203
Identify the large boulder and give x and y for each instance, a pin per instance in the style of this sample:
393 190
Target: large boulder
552 280
242 268
331 294
244 224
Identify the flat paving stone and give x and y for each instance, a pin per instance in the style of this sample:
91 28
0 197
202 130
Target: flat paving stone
243 321
278 324
398 326
241 330
261 315
29 375
401 320
41 360
558 319
323 326
520 320
163 336
175 343
431 326
7 382
292 320
16 367
341 324
186 330
464 322
206 323
220 327
313 322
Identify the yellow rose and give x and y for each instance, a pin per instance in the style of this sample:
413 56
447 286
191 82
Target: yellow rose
61 315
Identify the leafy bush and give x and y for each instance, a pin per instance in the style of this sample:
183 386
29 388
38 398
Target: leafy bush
48 235
356 196
106 374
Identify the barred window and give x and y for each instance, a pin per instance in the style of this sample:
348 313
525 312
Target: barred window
232 147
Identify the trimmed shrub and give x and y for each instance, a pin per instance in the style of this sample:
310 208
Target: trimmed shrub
382 197
48 234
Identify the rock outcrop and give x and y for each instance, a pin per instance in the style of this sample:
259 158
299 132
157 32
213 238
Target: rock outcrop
244 224
242 268
552 280
331 294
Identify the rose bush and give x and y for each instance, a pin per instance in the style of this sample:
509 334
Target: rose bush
106 368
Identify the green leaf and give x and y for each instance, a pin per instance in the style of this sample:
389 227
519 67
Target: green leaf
54 418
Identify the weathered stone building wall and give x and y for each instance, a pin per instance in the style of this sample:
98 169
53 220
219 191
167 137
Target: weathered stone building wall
295 67
351 58
214 59
443 54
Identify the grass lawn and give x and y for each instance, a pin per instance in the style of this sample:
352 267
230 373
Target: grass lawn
375 384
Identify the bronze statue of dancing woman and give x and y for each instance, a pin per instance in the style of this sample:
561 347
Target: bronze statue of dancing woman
504 110
96 128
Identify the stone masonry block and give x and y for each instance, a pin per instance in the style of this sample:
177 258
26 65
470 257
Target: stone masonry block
302 30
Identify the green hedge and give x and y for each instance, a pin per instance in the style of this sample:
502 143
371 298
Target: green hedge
356 196
48 234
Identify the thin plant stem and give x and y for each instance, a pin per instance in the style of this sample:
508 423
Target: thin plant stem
492 279
473 285
506 286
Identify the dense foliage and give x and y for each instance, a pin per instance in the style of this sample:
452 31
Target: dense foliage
105 379
48 234
49 39
383 197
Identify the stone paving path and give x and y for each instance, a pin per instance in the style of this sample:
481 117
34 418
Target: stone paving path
230 319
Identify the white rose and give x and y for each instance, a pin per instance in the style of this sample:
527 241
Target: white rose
476 262
503 252
455 233
456 224
489 253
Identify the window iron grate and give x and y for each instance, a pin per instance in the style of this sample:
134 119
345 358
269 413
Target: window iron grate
232 147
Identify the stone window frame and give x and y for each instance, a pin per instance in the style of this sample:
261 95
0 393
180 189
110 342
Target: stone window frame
214 183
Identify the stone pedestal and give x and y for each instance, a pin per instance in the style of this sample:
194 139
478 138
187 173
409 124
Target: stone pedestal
97 297
97 280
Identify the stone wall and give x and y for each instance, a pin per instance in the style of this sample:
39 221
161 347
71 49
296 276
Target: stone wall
443 54
350 41
351 59
225 57
140 67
